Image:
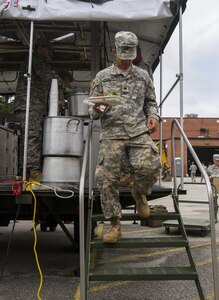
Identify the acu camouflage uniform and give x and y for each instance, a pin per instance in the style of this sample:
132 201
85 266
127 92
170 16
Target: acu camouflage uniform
142 64
213 171
41 78
127 172
124 134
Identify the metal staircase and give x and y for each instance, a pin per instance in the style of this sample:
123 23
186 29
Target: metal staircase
88 242
141 273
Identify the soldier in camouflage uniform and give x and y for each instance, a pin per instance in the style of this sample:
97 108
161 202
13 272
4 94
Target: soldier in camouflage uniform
193 168
41 78
138 61
213 170
125 129
127 172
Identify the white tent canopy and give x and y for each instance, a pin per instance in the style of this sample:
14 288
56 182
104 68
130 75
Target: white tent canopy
90 10
68 25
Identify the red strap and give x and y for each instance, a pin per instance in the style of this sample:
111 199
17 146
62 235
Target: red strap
16 186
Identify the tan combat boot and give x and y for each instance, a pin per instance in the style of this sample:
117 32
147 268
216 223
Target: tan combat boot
114 234
141 204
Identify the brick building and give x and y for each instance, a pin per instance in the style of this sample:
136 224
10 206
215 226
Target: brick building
203 134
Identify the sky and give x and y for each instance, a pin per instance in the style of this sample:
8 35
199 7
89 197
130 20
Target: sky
200 24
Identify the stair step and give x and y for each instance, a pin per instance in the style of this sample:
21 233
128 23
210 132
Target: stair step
133 216
135 274
150 242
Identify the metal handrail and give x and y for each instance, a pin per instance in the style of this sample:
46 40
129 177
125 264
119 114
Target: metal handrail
81 210
210 199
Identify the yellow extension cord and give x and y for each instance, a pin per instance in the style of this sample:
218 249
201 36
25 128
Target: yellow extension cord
28 188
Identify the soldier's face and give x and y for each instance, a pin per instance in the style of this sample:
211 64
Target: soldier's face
216 162
123 64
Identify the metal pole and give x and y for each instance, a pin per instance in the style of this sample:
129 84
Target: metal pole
94 68
173 163
210 201
169 92
161 124
83 286
95 49
28 75
181 90
91 160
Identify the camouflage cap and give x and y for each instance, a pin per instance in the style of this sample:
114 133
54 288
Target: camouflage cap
216 156
126 43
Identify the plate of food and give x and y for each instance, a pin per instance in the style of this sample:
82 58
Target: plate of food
110 99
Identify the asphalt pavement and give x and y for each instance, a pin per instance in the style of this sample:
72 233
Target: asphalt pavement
59 263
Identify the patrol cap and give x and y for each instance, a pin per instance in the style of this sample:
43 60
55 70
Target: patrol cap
126 43
216 156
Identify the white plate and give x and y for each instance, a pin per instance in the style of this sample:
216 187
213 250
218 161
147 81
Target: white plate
111 100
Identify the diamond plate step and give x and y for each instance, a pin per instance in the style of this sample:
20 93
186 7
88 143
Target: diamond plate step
131 216
157 273
150 242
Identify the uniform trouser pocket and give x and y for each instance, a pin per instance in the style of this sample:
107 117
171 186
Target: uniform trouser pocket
109 161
